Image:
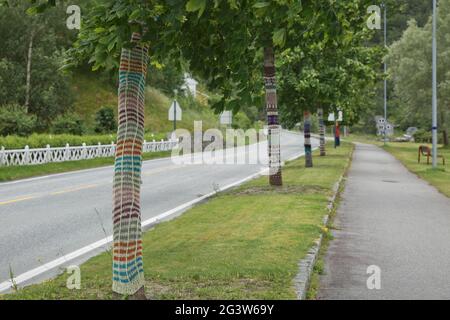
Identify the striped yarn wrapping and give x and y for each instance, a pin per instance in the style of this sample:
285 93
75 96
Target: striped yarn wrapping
337 135
307 134
128 273
274 129
321 132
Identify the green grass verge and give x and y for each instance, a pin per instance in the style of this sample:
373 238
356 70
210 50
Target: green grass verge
242 244
407 153
23 172
364 138
319 266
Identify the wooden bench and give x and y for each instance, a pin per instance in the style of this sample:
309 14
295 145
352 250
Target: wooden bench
426 151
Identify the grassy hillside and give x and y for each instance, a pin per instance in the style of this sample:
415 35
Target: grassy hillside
92 93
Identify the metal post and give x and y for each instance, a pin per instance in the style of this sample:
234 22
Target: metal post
434 108
47 154
385 72
175 110
2 156
26 159
175 116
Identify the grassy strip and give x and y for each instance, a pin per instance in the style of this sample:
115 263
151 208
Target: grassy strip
407 153
242 244
364 138
22 172
319 266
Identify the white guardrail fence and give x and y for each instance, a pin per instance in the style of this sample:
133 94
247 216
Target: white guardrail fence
27 156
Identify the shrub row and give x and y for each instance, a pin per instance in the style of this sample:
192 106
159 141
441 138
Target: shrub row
60 140
16 120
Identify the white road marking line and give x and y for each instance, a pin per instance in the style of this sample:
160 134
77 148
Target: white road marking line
7 285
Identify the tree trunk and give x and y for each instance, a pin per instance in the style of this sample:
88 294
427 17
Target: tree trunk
128 272
444 128
445 137
274 129
337 135
322 131
28 84
307 138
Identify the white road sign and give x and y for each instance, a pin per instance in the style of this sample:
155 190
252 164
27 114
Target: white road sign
175 112
331 117
226 117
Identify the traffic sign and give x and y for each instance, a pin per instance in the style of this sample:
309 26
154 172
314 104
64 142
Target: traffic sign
175 112
332 118
226 118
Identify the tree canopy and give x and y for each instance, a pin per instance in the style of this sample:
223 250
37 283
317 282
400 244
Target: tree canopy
410 71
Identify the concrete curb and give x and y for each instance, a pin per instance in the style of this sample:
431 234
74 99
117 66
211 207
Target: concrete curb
306 265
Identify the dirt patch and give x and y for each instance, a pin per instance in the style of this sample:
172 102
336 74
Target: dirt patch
195 289
308 189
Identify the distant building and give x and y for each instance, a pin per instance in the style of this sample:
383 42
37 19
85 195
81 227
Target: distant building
383 125
190 85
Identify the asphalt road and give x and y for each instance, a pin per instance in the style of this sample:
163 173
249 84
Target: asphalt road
46 218
391 219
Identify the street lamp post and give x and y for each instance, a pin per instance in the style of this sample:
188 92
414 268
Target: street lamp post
434 107
385 73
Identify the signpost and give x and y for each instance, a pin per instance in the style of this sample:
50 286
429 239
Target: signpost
337 131
175 113
226 118
332 117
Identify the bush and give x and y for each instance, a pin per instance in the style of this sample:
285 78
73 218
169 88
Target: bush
60 140
68 123
423 136
105 121
14 119
241 121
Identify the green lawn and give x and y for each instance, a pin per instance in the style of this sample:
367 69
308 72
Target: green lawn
407 153
364 138
242 244
22 172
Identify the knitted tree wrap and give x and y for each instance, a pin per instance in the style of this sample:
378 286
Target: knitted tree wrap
128 273
274 129
321 132
337 135
307 133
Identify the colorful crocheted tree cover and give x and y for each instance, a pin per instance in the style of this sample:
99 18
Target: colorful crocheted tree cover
274 129
321 132
337 135
307 134
128 275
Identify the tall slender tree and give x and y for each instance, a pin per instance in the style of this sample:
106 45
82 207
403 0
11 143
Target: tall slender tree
322 131
328 71
128 271
261 31
307 136
275 177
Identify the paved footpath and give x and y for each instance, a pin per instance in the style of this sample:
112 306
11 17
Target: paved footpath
391 219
